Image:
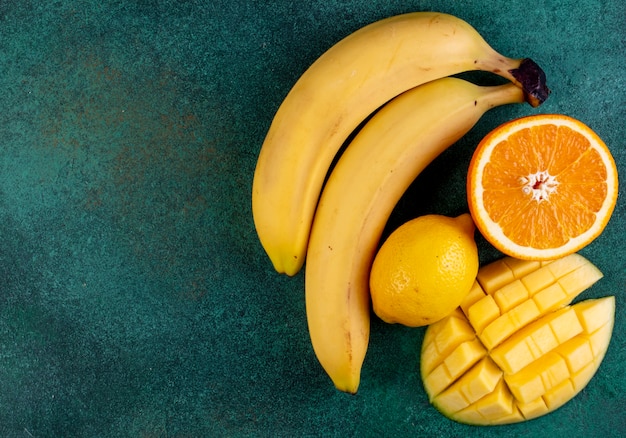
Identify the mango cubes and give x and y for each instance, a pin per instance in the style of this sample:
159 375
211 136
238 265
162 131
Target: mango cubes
516 349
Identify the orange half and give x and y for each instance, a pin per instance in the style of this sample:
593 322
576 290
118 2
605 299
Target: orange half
541 187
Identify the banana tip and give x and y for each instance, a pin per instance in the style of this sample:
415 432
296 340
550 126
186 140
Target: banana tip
349 387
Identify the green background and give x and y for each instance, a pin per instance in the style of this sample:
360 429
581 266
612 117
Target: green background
135 299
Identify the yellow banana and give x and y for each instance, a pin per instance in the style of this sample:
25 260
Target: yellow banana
377 167
340 90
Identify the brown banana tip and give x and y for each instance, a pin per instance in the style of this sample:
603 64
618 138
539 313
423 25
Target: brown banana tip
533 81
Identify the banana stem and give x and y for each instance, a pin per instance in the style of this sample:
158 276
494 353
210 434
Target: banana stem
497 95
525 73
533 81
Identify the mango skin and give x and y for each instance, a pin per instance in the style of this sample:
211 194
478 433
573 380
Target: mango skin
516 349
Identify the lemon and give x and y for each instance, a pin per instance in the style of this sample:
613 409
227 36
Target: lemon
424 269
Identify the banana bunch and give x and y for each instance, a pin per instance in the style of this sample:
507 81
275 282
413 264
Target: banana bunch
402 66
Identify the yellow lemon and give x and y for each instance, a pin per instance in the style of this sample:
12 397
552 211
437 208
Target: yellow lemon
424 269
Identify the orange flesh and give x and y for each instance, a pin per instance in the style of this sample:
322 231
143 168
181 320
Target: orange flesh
565 213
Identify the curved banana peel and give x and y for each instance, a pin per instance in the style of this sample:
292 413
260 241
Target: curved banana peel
377 167
340 90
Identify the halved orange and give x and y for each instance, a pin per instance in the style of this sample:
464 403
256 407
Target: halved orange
541 187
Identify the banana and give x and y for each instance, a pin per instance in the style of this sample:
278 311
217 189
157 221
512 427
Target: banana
377 167
340 90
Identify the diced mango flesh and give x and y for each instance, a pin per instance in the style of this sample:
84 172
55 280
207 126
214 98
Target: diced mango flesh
483 312
475 294
538 378
536 340
516 349
479 381
443 339
499 404
507 324
453 366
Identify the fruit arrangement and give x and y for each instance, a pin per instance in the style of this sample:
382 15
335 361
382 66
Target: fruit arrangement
338 92
390 88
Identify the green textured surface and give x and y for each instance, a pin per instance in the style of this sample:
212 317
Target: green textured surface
135 299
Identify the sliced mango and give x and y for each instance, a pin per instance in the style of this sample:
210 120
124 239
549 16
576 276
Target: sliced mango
516 349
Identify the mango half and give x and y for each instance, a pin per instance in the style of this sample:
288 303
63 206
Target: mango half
516 349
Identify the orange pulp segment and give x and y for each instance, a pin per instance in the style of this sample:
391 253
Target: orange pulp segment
541 187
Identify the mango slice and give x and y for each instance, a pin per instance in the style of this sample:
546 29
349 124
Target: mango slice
516 349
